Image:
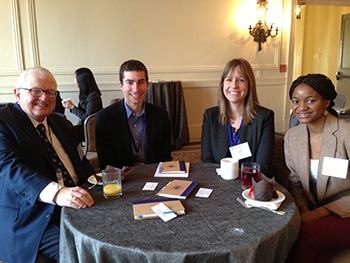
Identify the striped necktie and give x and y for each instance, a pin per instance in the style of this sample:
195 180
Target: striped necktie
54 159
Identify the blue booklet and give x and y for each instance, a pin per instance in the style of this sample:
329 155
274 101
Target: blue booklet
178 189
172 167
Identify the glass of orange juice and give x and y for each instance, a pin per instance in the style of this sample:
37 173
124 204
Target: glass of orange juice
112 182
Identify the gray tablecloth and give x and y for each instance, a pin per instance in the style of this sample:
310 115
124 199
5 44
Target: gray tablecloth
217 229
169 95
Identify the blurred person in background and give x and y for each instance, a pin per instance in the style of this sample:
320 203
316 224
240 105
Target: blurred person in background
89 99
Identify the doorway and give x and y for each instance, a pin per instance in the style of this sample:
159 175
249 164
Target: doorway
343 73
317 37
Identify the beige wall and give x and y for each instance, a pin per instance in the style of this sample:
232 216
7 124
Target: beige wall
187 40
318 40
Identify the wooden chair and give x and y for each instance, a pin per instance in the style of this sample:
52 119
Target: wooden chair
90 145
114 101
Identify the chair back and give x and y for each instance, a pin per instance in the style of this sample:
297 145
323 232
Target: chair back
339 101
293 121
114 101
89 133
280 169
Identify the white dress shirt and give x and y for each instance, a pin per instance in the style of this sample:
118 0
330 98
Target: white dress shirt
49 192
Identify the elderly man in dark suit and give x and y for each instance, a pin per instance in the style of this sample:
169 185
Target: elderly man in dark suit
38 170
132 131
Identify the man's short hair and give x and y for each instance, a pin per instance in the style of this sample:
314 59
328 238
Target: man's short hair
41 73
132 65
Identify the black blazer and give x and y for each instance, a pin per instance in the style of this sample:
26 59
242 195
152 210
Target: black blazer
24 172
260 135
113 139
88 106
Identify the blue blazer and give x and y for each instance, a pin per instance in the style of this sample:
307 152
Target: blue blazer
114 142
24 173
260 135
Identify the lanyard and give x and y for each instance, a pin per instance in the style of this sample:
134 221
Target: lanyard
236 137
137 147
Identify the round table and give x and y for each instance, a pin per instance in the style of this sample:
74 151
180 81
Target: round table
214 229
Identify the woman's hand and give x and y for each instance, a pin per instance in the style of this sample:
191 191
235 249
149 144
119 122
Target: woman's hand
315 214
67 103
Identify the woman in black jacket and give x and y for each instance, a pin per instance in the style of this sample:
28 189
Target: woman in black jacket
238 118
89 98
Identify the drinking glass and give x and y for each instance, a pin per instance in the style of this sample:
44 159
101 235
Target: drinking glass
112 183
249 170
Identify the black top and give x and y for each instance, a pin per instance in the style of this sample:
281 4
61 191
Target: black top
88 106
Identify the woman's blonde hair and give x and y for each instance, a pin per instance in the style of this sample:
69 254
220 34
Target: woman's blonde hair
251 103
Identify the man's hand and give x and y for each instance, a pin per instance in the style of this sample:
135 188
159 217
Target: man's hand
75 197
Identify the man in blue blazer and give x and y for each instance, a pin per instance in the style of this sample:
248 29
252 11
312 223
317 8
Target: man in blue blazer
131 131
31 189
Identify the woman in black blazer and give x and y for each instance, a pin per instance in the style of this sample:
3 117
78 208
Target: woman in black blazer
238 118
89 99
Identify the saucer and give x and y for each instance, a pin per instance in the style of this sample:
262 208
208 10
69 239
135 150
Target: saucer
92 179
273 204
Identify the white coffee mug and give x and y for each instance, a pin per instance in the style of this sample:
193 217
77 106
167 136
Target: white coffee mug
229 168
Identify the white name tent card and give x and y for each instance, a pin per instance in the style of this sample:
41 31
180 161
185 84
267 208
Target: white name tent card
335 167
240 151
150 186
204 192
163 212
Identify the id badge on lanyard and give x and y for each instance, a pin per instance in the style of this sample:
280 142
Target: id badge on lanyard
230 132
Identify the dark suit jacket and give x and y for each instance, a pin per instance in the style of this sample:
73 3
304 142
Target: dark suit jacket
88 106
113 139
260 135
24 172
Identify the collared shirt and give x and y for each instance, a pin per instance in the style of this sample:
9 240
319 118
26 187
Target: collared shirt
49 192
137 127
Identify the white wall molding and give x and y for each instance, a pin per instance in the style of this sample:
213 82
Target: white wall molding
324 2
186 84
165 70
66 83
211 83
17 45
17 35
33 32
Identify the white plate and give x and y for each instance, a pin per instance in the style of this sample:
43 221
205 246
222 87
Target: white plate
252 201
92 179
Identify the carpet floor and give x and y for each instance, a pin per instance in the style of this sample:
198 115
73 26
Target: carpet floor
190 152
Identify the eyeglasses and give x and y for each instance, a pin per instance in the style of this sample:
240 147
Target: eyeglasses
36 92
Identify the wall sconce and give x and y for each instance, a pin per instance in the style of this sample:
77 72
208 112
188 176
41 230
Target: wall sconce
298 12
261 31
